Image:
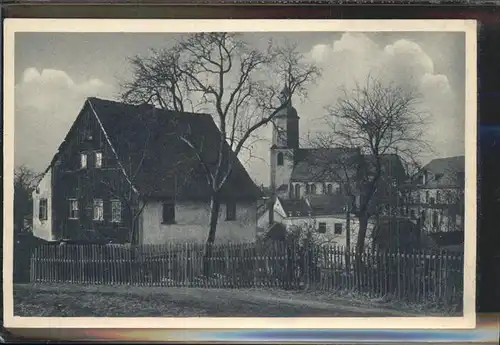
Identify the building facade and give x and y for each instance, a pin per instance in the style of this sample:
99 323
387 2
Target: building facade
434 198
122 175
298 173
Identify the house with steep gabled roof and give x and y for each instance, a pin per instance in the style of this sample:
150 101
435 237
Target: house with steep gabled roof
434 197
123 174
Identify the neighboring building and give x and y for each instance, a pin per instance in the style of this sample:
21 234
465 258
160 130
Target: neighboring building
297 174
434 198
324 215
124 166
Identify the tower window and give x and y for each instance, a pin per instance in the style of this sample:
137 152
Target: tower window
280 158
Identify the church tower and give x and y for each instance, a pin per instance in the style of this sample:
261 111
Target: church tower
285 143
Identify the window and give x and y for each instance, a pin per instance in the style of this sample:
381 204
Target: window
116 211
338 228
330 188
231 211
338 189
280 158
308 189
435 219
438 176
313 189
322 228
438 197
432 201
168 213
98 210
412 214
427 196
98 159
422 215
297 191
42 210
73 209
83 160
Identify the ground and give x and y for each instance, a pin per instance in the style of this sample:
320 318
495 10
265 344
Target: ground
78 300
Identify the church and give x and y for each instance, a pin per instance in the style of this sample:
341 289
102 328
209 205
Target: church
310 185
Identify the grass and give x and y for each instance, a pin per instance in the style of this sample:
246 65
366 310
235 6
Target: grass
126 301
49 303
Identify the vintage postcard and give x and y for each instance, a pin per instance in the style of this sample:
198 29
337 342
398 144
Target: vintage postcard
239 173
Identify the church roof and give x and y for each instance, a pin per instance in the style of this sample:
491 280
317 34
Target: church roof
330 164
318 164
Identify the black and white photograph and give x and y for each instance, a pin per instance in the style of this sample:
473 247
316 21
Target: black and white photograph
240 169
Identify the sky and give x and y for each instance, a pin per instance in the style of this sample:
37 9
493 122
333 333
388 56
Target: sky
56 72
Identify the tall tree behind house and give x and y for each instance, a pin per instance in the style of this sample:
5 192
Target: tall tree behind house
221 74
24 183
378 119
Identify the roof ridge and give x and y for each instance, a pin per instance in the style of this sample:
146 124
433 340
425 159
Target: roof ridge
117 102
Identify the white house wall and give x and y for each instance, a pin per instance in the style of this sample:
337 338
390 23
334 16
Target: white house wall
43 229
192 221
329 236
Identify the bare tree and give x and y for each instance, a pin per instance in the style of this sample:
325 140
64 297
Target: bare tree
221 75
373 121
24 183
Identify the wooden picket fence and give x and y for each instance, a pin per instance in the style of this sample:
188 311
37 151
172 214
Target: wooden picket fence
415 277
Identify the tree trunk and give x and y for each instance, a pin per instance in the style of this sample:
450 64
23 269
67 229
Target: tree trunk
214 217
360 247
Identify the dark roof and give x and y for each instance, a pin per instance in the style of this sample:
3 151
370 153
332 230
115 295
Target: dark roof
322 164
327 204
391 165
276 231
295 207
330 164
449 172
169 166
314 205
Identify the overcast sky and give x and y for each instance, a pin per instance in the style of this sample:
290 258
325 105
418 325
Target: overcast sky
55 72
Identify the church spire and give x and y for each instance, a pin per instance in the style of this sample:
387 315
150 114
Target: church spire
285 95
